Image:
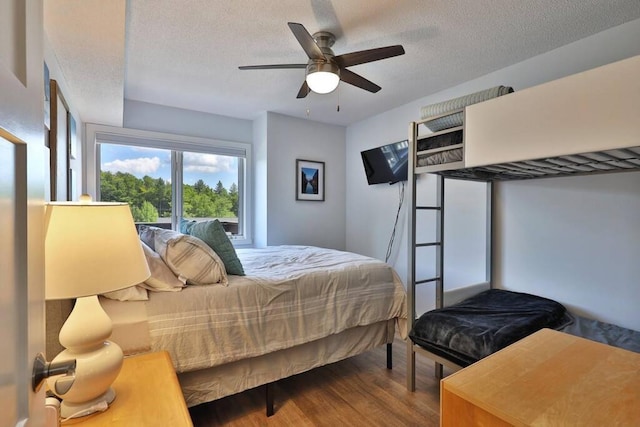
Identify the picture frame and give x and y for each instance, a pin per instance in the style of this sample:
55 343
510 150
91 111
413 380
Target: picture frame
309 180
58 146
47 98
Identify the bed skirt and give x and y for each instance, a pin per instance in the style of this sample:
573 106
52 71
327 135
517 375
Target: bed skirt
214 383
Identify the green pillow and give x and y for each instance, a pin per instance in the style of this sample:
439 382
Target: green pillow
213 234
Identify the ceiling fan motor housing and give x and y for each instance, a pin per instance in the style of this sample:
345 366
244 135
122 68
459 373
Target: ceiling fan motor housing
324 40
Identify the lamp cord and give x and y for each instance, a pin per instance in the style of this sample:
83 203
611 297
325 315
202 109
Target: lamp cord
395 224
100 406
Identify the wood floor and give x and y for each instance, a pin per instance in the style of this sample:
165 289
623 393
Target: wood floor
359 391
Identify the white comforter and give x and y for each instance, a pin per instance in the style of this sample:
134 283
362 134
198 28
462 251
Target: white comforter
291 295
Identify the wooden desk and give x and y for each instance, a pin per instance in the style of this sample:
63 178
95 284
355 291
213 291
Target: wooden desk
147 394
548 378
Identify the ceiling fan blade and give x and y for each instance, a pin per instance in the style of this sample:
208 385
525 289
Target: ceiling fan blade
370 55
304 90
357 80
306 41
271 67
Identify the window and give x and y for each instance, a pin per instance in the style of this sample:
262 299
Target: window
166 180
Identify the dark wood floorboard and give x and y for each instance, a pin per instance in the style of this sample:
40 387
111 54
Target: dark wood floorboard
359 391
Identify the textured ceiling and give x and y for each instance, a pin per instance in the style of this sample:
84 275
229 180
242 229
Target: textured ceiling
88 37
186 53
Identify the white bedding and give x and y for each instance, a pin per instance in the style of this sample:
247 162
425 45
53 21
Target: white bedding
291 295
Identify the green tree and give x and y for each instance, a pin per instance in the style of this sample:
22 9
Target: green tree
150 198
145 213
233 196
125 187
220 190
201 187
162 200
201 206
222 207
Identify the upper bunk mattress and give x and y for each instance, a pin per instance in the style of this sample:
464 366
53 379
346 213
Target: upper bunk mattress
456 104
290 295
485 323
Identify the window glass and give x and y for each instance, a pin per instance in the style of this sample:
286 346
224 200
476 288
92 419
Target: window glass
210 188
165 177
140 176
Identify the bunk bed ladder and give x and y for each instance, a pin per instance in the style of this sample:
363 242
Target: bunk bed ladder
438 280
438 243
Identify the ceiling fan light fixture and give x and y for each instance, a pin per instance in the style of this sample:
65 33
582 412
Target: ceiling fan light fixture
323 77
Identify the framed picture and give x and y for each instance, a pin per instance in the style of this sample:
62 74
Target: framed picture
309 180
47 98
58 145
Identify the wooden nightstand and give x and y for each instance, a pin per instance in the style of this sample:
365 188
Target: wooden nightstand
147 394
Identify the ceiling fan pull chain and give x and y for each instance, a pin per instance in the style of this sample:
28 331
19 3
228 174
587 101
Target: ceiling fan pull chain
338 107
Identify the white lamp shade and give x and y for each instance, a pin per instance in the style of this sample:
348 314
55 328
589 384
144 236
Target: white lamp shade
323 81
90 249
322 76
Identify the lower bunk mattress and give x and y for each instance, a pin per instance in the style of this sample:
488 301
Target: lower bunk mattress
466 332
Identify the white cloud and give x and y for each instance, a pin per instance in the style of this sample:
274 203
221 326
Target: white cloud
208 163
139 166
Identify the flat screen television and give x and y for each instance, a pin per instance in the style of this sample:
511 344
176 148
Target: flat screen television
387 163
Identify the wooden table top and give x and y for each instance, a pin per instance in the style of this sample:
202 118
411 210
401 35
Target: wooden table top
147 394
552 378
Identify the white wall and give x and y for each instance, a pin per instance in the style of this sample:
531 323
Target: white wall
277 141
371 209
159 118
291 221
576 240
260 185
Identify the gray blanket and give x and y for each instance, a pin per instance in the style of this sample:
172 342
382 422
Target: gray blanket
485 323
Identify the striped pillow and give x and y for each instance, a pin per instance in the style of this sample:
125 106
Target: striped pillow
190 258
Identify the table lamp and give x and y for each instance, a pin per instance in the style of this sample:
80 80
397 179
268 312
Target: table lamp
90 248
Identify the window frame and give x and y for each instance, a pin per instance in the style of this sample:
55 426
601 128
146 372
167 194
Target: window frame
177 144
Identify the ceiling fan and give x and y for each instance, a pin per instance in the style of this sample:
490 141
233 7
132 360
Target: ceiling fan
324 70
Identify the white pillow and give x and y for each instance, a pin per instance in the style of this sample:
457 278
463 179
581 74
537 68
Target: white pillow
162 278
132 293
190 258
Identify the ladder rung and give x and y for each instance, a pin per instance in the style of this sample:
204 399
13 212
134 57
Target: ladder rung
427 244
433 279
432 208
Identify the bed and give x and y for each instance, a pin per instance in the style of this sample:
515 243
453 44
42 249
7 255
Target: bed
498 135
296 308
476 327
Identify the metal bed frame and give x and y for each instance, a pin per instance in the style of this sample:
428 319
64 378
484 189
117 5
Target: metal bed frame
617 160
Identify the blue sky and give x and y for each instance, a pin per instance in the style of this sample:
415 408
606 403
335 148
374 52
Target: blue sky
156 163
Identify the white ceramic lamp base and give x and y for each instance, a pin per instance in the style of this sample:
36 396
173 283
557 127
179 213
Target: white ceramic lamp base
98 361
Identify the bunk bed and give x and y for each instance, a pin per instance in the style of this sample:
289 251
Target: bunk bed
581 124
